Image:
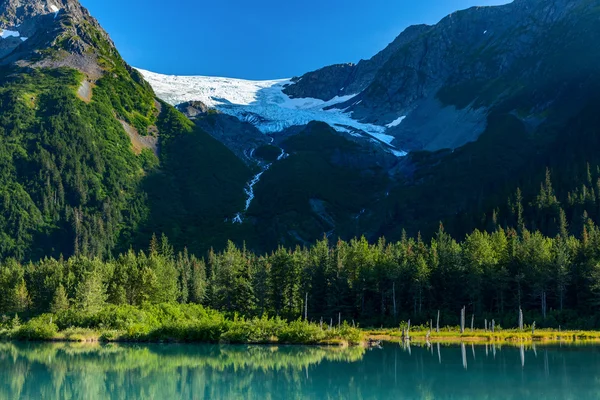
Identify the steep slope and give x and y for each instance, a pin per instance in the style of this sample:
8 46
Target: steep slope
324 186
483 101
445 79
91 162
52 34
349 79
79 137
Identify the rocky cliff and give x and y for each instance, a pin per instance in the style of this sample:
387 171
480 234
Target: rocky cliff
445 79
53 33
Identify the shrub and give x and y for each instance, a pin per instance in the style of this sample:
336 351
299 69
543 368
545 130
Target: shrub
301 332
37 329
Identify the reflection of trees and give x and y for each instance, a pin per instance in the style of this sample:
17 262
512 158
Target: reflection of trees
70 371
63 371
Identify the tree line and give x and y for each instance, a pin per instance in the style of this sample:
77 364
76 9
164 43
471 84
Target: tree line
554 280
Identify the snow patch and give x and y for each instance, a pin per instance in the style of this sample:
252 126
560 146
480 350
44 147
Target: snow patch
55 10
398 153
396 122
484 32
6 34
23 38
283 155
237 219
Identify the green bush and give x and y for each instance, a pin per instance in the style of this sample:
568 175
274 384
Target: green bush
352 335
301 332
257 330
37 329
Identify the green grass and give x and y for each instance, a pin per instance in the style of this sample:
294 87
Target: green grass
175 323
450 335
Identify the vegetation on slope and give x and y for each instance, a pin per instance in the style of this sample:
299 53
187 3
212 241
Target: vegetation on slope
69 178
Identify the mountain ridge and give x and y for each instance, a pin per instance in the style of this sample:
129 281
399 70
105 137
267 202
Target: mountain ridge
92 162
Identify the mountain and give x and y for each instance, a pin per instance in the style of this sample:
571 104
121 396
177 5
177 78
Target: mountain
445 79
84 140
473 108
485 119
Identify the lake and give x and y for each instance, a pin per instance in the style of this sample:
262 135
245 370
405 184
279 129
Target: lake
84 371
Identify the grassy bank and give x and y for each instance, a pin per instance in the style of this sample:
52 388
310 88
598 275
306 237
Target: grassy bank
452 335
187 323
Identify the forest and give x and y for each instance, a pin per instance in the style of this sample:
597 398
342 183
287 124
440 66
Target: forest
554 280
77 205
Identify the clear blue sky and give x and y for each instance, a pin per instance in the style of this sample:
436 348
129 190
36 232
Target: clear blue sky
260 39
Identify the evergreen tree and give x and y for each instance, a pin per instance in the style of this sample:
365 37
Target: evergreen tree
20 300
60 302
91 293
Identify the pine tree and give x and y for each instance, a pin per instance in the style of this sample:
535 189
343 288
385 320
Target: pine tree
20 298
197 283
563 224
91 293
60 302
153 249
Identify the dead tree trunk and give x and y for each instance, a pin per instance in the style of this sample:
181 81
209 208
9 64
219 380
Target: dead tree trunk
520 319
544 304
306 307
438 323
394 298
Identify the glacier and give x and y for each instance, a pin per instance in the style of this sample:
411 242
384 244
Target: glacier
261 103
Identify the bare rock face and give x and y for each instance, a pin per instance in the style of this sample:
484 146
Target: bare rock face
446 79
348 79
242 138
194 109
324 84
52 33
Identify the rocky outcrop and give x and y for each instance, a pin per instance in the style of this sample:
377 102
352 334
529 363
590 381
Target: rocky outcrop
324 84
194 109
53 33
242 138
140 142
348 79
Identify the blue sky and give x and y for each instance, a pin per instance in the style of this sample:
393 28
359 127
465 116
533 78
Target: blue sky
259 39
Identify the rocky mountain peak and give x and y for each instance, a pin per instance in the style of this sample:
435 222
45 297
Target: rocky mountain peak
52 33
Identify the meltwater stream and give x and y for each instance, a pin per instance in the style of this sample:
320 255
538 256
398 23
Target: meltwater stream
92 371
249 189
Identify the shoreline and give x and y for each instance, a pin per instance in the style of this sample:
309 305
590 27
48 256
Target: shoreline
370 338
509 337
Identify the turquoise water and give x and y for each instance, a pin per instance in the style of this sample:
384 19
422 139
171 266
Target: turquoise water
62 371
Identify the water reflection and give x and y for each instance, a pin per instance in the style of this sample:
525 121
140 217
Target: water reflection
417 371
